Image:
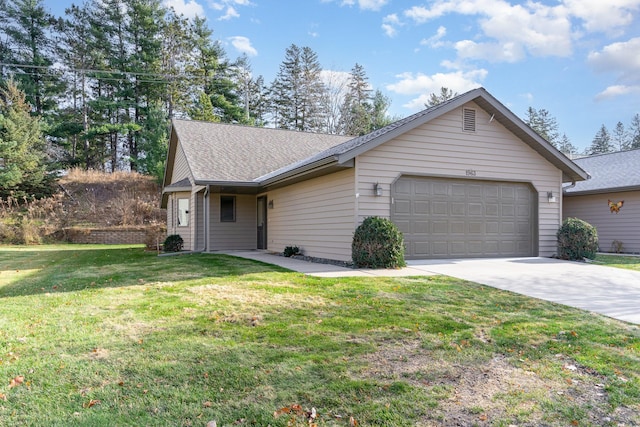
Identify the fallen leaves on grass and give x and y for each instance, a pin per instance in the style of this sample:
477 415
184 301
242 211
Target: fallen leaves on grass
91 403
14 382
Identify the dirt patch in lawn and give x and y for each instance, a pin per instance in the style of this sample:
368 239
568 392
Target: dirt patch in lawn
476 391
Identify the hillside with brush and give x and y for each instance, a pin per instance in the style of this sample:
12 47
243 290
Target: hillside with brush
85 200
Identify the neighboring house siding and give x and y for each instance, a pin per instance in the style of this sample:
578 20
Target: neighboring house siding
240 234
441 148
317 215
623 226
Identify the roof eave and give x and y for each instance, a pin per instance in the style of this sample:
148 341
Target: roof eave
311 170
603 190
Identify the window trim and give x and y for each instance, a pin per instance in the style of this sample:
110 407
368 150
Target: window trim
231 199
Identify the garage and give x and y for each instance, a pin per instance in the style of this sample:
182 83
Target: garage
465 218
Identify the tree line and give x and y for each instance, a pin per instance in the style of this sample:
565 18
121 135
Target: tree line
620 139
101 83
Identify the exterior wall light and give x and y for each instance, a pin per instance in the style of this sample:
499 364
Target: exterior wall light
551 197
377 189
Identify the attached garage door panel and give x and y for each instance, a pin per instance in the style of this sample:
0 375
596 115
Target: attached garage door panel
446 218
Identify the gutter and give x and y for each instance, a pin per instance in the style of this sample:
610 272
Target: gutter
319 164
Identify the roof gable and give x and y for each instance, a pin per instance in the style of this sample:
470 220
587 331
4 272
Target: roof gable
618 171
348 150
218 152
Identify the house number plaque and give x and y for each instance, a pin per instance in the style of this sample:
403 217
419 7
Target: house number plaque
471 172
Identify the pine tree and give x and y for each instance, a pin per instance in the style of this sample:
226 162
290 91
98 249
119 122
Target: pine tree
620 138
634 132
144 30
544 124
22 147
445 95
566 147
298 91
356 111
203 110
29 46
601 142
379 117
153 143
176 48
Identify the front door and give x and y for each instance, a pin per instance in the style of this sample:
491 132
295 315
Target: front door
262 222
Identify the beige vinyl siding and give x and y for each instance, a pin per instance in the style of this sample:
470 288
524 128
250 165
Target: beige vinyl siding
199 232
180 166
442 149
185 232
623 226
317 215
241 234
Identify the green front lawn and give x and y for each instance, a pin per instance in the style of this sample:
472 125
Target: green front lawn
96 336
619 261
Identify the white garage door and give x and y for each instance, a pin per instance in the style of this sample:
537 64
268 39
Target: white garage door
457 218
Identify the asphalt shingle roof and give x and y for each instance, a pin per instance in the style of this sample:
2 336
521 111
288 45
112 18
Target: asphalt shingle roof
219 152
613 171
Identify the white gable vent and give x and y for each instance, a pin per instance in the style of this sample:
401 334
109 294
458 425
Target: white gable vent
468 120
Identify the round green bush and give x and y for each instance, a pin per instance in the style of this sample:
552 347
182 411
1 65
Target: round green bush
377 243
173 243
577 240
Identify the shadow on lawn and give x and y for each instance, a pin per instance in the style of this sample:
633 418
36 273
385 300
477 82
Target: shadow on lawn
31 272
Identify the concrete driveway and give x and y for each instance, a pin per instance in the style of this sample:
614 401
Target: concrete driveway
613 292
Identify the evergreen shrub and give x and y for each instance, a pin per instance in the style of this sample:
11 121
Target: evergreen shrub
173 243
577 240
377 243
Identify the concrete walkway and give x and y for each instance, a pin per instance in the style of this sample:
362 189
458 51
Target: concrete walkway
613 292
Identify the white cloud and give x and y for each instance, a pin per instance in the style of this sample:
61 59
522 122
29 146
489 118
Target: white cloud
605 16
422 85
435 41
366 4
189 9
623 60
617 90
228 6
510 31
243 45
230 13
390 24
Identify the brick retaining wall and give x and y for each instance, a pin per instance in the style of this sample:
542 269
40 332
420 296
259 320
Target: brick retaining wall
116 236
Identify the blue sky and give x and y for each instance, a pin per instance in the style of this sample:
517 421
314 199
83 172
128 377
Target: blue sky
579 59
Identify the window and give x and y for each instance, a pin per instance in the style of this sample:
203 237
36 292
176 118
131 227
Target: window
183 212
227 209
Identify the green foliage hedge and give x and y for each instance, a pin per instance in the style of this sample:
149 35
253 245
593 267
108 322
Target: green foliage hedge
173 243
377 243
577 240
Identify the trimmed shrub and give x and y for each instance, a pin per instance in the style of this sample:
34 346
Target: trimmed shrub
173 243
290 251
377 243
577 240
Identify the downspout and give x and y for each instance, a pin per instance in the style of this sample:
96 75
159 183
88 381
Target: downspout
206 219
573 184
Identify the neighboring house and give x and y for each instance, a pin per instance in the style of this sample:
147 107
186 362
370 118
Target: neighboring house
615 177
466 178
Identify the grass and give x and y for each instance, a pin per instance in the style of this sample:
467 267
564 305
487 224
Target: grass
619 261
95 335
